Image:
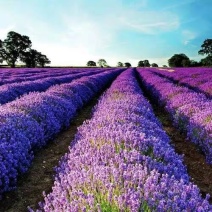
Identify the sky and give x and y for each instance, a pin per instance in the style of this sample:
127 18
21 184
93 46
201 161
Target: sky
72 32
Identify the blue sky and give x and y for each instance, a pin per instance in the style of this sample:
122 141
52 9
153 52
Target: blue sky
71 32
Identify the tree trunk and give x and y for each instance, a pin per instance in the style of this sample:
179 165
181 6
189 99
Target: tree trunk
13 65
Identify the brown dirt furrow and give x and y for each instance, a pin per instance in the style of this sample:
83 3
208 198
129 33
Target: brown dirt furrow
199 171
40 176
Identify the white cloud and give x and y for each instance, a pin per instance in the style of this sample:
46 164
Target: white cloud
150 22
178 4
93 34
188 36
87 34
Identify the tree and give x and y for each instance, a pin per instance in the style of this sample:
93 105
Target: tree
33 58
141 63
154 65
1 58
127 64
91 63
42 60
102 62
120 64
146 63
194 63
13 46
206 47
30 58
207 61
165 66
178 60
186 63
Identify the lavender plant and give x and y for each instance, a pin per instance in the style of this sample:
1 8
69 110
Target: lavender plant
28 123
190 111
10 92
198 79
121 160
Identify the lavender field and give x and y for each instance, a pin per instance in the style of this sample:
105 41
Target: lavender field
122 158
31 120
188 102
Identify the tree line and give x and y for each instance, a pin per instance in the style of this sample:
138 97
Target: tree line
177 60
182 60
17 47
103 63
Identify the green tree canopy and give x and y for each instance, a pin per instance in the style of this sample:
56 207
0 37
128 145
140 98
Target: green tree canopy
42 60
207 61
33 58
154 65
141 63
1 58
30 58
127 64
178 60
120 64
102 62
186 63
13 46
146 63
91 63
206 47
194 63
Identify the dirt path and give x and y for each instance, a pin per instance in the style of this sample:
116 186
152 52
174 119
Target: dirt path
40 175
198 170
39 178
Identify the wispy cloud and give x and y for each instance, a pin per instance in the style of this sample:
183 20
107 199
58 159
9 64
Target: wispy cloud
188 36
73 32
150 22
178 4
88 33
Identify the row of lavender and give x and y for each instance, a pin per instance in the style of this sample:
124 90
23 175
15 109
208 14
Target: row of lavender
29 122
198 79
191 111
30 74
121 160
6 72
9 92
12 76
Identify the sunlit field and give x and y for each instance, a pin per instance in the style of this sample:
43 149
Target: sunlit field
120 159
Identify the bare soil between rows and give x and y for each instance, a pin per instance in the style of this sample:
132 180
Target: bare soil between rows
199 171
40 176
